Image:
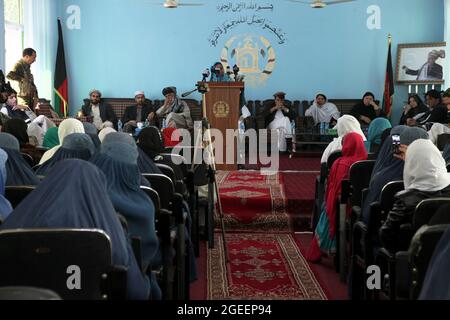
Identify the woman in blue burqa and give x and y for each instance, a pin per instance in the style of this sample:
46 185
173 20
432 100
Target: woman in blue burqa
5 206
90 209
118 161
19 172
75 146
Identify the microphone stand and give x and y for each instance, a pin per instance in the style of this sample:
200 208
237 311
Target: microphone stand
211 175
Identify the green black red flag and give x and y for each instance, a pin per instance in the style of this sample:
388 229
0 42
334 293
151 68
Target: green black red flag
60 83
388 84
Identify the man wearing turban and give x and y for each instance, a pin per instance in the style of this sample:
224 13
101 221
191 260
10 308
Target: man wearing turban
430 70
175 111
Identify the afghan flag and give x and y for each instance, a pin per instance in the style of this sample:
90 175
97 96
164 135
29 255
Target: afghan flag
60 84
388 85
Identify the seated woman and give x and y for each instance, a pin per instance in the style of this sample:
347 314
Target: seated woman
38 125
90 209
425 176
414 109
51 138
376 130
367 110
118 161
324 240
279 117
75 146
104 132
345 125
66 127
5 206
18 128
388 166
175 111
19 172
323 111
92 132
436 130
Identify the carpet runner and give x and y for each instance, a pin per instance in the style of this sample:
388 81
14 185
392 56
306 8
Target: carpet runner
262 267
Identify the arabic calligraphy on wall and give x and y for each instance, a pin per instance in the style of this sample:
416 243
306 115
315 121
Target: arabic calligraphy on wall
250 16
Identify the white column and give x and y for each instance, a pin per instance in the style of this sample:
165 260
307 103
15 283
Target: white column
2 37
447 39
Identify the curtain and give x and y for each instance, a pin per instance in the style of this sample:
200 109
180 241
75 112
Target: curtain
2 37
40 34
447 39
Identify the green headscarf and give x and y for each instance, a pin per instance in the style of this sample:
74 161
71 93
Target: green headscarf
51 138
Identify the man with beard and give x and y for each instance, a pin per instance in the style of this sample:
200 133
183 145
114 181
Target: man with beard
101 113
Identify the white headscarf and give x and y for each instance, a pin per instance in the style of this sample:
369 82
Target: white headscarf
425 168
436 130
323 113
104 132
66 128
345 124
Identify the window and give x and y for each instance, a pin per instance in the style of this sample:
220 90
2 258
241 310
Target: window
13 32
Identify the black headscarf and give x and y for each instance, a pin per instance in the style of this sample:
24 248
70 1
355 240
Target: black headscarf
74 195
18 128
19 172
151 141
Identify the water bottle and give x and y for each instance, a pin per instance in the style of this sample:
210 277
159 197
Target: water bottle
119 126
163 125
293 127
241 127
146 123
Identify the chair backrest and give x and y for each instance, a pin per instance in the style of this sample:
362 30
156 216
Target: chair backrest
15 194
29 159
164 186
180 161
168 171
154 196
442 140
71 262
333 157
27 293
426 209
387 196
360 174
420 252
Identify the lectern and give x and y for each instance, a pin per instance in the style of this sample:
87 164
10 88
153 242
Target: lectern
222 111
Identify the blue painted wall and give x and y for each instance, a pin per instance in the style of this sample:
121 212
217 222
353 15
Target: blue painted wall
124 46
2 36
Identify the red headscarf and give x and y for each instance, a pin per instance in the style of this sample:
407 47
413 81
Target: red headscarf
171 137
353 150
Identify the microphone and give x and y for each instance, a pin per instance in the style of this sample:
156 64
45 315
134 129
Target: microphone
229 72
186 94
206 73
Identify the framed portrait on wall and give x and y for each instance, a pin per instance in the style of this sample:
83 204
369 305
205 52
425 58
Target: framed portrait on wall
421 63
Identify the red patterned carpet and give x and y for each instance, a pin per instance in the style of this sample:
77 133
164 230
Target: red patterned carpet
251 201
262 266
297 163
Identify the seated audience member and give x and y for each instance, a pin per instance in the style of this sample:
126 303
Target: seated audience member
5 206
175 111
376 130
92 132
135 116
278 117
323 111
51 138
37 125
118 161
425 176
90 209
436 285
18 128
102 114
437 112
66 127
151 142
345 125
218 73
324 241
436 130
367 110
145 164
104 132
414 110
18 171
75 146
388 166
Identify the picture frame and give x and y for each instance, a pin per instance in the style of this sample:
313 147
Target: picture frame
421 63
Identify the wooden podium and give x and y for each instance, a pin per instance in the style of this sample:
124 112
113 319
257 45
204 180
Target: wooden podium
222 112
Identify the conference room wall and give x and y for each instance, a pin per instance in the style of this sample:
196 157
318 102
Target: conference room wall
124 46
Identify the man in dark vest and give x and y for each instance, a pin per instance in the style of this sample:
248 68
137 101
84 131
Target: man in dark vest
102 114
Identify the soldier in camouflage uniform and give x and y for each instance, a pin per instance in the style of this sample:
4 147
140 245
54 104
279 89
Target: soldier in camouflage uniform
21 74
